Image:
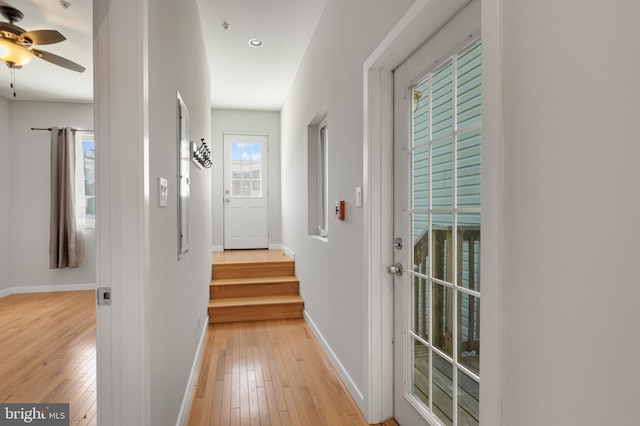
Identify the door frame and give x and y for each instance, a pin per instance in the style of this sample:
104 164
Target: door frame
422 20
122 240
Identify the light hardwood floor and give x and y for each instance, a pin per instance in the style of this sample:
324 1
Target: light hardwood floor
262 372
48 351
268 373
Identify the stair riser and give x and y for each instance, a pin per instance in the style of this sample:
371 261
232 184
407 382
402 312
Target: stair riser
253 290
252 270
255 313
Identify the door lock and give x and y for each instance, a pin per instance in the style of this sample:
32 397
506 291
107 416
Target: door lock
395 270
397 243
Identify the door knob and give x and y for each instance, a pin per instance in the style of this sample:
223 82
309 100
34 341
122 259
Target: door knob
395 270
227 200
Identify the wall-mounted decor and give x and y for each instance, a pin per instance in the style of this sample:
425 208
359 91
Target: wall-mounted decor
201 155
184 155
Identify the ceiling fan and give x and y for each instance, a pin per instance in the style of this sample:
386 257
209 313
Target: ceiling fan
16 44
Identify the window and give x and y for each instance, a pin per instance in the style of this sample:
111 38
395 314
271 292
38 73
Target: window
323 180
445 215
318 177
246 170
85 180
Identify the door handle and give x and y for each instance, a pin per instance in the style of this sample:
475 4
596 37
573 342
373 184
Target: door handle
227 200
395 270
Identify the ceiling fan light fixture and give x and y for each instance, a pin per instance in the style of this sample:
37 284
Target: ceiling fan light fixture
14 55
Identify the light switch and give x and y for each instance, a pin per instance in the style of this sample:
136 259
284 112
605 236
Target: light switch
359 196
163 192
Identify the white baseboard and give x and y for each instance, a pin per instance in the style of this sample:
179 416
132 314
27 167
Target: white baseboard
46 288
357 396
217 248
184 408
287 251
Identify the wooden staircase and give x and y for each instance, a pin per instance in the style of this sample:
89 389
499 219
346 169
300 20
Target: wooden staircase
251 285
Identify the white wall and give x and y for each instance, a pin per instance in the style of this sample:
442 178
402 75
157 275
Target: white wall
30 196
237 121
571 213
179 290
330 79
5 195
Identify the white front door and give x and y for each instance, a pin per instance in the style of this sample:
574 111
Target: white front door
246 214
437 147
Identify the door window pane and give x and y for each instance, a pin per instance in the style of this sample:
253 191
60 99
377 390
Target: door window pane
421 178
469 331
469 79
442 101
469 251
468 165
442 244
421 372
442 174
421 307
443 389
421 243
468 400
443 318
421 108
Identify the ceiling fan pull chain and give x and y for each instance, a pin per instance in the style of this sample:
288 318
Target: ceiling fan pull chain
13 82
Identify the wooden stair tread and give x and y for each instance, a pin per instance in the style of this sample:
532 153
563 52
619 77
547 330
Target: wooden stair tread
255 301
263 280
253 285
251 256
252 270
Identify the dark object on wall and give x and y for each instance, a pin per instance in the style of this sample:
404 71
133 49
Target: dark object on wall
201 155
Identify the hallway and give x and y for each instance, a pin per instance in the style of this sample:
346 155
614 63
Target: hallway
269 373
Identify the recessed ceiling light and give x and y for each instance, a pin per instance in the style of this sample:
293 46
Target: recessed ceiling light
255 42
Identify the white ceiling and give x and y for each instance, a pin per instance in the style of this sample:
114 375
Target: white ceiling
242 77
41 80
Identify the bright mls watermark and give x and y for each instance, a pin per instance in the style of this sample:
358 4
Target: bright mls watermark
34 414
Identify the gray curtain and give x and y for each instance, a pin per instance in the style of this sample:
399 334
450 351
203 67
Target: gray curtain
63 250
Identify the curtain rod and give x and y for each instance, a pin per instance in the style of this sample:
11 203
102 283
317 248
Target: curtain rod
49 129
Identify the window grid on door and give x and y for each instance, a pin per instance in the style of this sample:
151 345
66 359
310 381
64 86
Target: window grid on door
246 170
444 163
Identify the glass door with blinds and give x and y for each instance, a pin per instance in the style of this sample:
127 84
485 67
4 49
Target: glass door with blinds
438 142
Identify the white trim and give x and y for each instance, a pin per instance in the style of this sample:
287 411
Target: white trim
186 400
121 77
51 288
491 321
378 217
285 249
335 361
217 248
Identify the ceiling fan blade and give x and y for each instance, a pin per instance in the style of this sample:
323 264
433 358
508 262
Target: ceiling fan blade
40 37
58 60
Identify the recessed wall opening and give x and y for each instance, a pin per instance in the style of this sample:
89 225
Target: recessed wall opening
318 176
